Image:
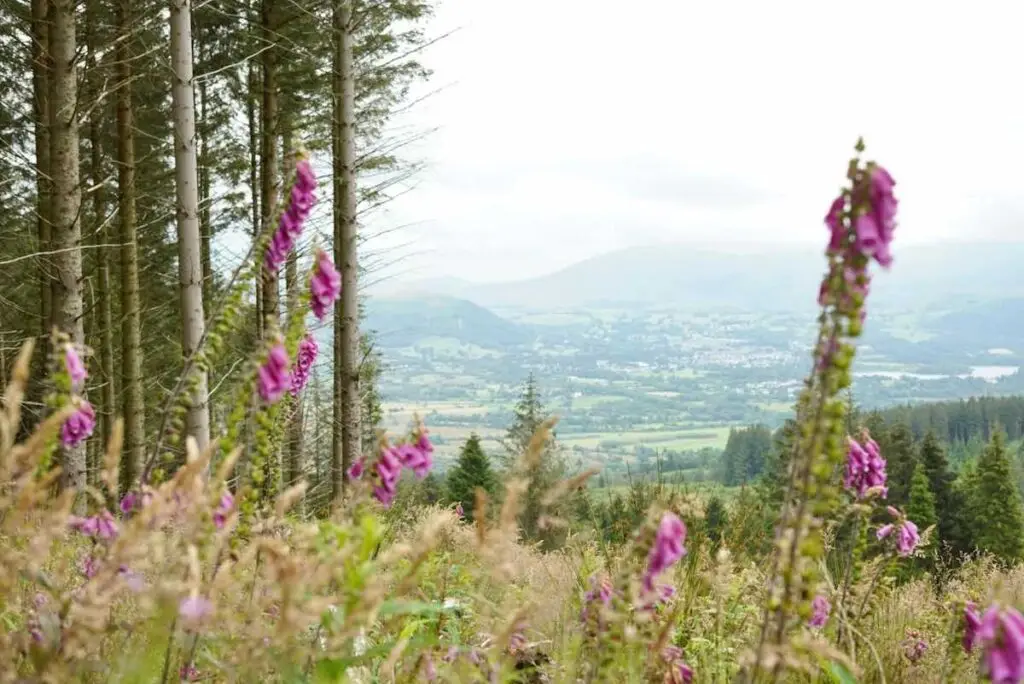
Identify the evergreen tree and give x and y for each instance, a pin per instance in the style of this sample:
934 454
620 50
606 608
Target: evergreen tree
949 503
997 521
898 450
472 470
542 470
716 519
921 504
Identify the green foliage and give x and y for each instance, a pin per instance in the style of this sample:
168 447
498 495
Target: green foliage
921 506
471 471
745 454
716 520
997 521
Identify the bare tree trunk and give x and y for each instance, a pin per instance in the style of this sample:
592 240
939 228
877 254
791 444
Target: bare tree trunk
254 171
346 436
102 317
41 113
205 227
66 205
134 402
186 181
296 465
268 156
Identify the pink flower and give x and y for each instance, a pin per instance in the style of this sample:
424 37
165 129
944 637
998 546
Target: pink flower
129 502
908 538
459 511
972 623
223 510
388 468
102 526
679 672
88 567
820 609
290 227
75 367
414 458
273 375
193 609
874 229
188 673
305 357
79 425
355 471
517 639
1001 636
865 468
325 285
667 549
884 531
835 224
914 646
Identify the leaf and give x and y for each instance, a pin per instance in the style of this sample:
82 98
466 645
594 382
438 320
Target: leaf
417 608
840 674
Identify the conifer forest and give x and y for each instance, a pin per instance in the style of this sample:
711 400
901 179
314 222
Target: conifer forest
216 466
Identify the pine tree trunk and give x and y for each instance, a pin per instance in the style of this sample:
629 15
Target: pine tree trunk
205 227
296 463
66 205
41 114
268 157
103 318
132 397
254 170
346 436
186 181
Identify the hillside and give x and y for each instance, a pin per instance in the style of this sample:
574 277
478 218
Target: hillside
400 322
768 279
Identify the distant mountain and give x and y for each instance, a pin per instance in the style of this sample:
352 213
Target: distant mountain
400 322
773 279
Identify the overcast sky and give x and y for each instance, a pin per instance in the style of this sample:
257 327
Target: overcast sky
568 128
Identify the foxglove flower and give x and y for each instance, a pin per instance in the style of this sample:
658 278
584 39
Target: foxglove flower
74 366
388 467
873 229
679 672
907 537
325 285
274 378
820 609
102 526
304 359
79 425
416 459
972 623
865 468
88 566
459 511
293 218
667 549
223 510
834 221
1001 637
355 471
914 646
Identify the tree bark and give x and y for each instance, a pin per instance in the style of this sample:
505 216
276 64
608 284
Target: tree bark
41 67
254 171
132 396
103 317
296 465
205 211
268 158
346 447
186 182
66 206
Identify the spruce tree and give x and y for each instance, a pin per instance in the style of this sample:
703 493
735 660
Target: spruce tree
997 521
472 470
921 506
716 519
949 502
898 450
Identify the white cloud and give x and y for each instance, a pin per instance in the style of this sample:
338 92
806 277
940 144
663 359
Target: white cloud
569 123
